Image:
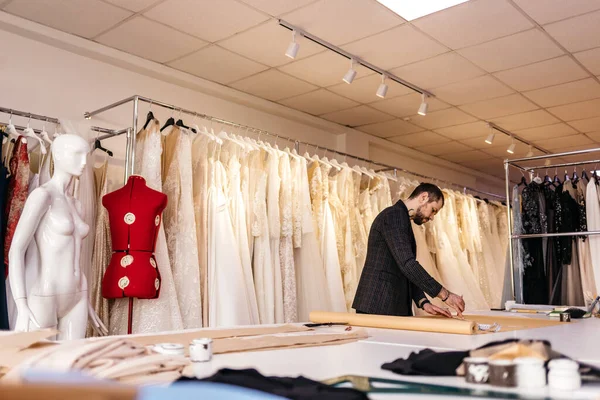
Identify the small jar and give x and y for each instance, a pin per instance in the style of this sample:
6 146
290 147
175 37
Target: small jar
564 375
477 369
502 373
201 350
530 372
172 349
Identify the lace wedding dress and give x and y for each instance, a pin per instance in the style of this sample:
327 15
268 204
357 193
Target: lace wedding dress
286 247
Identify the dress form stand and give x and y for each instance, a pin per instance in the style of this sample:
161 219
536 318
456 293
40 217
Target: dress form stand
134 215
46 280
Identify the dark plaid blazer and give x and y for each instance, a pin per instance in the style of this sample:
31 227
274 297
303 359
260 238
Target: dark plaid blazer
392 277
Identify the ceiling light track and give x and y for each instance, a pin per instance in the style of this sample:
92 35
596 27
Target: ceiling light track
513 138
357 60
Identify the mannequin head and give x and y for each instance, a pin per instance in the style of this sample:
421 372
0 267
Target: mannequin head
69 153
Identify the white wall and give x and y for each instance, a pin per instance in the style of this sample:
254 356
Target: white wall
52 73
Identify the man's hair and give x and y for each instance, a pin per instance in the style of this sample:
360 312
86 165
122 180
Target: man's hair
432 190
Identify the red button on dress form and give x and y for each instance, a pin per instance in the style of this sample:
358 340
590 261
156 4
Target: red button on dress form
134 214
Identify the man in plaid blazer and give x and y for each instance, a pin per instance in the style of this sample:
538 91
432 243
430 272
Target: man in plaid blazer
392 276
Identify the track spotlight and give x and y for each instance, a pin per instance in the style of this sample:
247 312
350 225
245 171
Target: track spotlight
511 148
423 106
530 152
351 74
292 50
383 88
490 138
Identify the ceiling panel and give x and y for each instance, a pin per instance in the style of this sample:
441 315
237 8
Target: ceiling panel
407 105
390 128
150 40
342 21
133 5
546 11
442 118
585 89
526 120
498 107
363 89
465 156
482 88
319 102
473 22
546 73
218 65
277 7
577 33
500 140
409 46
438 71
491 163
82 18
582 110
267 43
207 19
324 69
586 125
362 115
273 85
419 139
500 151
465 131
546 132
590 59
443 148
564 142
512 51
595 136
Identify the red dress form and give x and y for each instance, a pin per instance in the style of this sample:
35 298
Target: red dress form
134 215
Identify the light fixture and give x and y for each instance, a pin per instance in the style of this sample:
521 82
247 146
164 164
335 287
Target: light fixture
292 50
383 88
530 152
490 138
351 74
511 148
410 10
423 106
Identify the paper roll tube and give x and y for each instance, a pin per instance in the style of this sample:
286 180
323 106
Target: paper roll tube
438 325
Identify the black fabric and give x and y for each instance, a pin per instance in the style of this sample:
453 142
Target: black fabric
535 281
552 253
392 276
428 362
299 388
3 194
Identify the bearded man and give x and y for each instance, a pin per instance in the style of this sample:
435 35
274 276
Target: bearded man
392 277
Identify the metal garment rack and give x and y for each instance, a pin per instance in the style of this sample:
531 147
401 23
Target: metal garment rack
547 157
131 140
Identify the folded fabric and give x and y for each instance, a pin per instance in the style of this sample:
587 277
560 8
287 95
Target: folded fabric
428 362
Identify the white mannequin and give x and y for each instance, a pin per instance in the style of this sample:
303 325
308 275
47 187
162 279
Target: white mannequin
47 284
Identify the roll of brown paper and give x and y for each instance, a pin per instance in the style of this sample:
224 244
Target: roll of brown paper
438 325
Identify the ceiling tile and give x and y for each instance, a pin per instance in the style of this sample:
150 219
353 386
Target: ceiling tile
578 33
465 131
586 125
443 148
81 18
218 65
465 156
273 85
476 89
319 102
487 165
546 11
500 151
582 110
595 136
500 140
442 118
324 69
577 148
473 22
498 107
590 59
585 89
526 120
407 105
207 19
546 132
562 142
512 51
266 43
542 74
133 5
363 89
409 46
390 128
277 7
419 139
362 115
342 21
150 40
438 71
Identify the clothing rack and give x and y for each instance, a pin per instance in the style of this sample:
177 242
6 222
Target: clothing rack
130 152
513 163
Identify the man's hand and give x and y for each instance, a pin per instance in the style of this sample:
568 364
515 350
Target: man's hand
455 301
435 310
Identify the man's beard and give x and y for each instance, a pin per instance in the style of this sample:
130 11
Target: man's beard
419 218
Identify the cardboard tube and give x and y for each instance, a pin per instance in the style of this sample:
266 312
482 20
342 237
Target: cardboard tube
438 325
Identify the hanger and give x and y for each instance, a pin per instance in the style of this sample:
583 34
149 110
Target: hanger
170 122
28 132
523 181
567 176
584 175
575 178
149 116
181 124
547 179
45 135
98 145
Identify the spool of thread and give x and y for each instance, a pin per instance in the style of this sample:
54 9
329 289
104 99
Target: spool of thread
502 373
201 350
172 349
477 369
530 372
564 374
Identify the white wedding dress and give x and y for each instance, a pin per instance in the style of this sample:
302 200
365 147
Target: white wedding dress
286 246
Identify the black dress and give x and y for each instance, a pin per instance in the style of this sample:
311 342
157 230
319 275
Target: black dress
535 281
3 193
